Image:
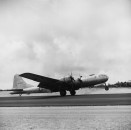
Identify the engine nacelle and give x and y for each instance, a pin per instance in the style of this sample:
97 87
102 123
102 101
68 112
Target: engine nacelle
67 79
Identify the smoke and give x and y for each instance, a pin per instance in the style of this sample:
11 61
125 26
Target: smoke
57 37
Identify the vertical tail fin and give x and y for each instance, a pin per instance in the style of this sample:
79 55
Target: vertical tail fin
19 83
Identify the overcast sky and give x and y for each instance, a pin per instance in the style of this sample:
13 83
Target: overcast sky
56 37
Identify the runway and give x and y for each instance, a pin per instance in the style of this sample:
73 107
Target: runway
66 118
78 100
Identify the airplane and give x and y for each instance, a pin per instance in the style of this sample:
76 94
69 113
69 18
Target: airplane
21 87
62 85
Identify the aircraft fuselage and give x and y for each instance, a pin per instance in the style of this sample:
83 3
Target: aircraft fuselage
94 80
31 90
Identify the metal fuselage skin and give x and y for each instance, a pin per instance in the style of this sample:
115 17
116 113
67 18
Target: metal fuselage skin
32 90
94 80
86 82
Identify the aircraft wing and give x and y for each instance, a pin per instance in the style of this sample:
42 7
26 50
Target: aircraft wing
46 82
39 78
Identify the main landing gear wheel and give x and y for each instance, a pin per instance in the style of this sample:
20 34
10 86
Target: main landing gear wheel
63 93
72 92
20 95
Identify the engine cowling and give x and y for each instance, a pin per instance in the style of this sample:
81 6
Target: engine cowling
68 79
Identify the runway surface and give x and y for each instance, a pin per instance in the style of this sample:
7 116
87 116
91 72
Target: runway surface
66 118
78 100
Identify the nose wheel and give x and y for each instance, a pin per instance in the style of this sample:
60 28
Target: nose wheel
106 87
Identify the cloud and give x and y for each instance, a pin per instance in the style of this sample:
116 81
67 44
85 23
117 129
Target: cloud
55 38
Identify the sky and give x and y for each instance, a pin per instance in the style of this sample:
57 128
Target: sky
56 37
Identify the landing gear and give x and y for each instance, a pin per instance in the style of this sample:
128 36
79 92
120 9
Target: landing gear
106 88
63 93
72 92
20 95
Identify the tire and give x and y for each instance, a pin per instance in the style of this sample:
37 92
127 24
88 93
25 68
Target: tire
106 88
63 93
73 92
